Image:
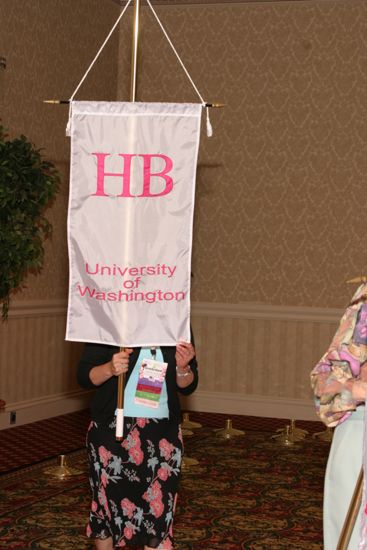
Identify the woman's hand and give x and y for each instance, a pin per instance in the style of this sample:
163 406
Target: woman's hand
118 365
184 353
120 362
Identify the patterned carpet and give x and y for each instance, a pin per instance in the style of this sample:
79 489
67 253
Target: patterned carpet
25 445
32 443
246 493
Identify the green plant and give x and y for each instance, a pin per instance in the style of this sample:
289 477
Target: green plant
27 185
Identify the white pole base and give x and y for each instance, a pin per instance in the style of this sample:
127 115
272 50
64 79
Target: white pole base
119 423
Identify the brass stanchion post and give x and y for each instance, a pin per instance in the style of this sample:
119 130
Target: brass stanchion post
284 437
62 471
186 460
133 86
326 435
350 518
228 431
188 424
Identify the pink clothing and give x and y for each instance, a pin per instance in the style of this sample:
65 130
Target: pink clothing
343 364
333 379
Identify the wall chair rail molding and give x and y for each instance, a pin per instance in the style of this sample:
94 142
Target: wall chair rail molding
255 359
250 310
246 310
34 351
37 308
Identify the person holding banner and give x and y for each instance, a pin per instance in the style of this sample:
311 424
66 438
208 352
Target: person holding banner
134 482
339 382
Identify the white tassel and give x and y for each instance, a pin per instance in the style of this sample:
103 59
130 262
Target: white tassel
209 128
68 126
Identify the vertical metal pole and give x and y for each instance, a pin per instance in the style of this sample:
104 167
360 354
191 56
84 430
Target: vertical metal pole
134 51
352 514
133 86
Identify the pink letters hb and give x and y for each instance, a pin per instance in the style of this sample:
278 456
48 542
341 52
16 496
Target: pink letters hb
125 175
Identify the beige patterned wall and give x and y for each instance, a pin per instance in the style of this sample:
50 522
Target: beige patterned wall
253 359
282 184
32 370
281 191
280 199
48 45
256 360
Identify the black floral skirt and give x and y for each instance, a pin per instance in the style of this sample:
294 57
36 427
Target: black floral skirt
134 482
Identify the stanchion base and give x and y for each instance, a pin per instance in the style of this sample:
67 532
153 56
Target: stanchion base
62 471
286 438
189 424
188 462
289 435
228 432
326 435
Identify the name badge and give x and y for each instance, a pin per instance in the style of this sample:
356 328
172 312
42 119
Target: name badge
150 383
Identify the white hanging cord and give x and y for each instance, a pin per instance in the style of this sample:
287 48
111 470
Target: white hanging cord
100 50
209 128
68 126
175 51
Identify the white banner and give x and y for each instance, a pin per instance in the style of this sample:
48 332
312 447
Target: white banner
133 168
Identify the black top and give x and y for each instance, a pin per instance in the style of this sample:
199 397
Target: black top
103 404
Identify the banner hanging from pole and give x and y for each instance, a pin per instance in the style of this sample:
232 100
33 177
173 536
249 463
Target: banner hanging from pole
131 205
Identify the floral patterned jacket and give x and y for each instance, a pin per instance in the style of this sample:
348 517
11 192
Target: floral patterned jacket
343 364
